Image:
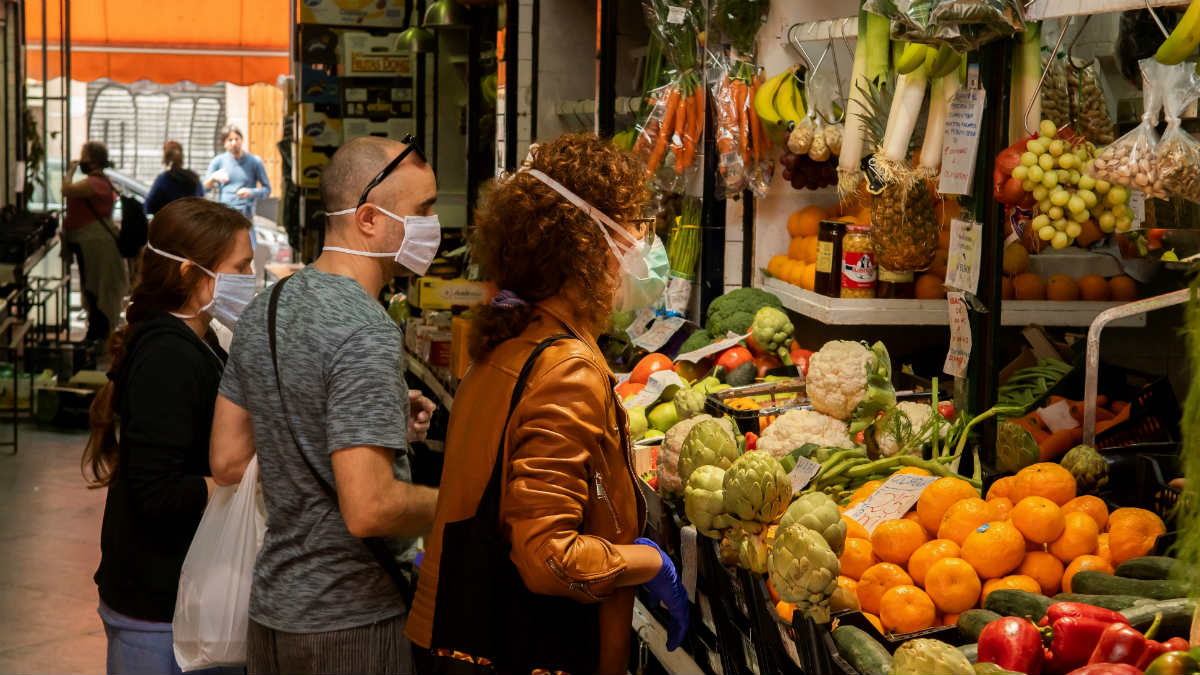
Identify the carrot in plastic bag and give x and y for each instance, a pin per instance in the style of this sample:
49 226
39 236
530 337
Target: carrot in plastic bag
660 143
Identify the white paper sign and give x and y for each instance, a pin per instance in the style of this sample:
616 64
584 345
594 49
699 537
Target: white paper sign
1137 208
892 500
641 322
687 551
1057 417
715 348
803 474
676 15
961 141
960 337
962 266
659 333
657 384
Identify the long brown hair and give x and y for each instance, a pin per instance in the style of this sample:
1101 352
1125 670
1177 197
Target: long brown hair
531 241
197 229
173 154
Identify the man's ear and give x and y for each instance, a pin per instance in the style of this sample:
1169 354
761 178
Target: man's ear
367 220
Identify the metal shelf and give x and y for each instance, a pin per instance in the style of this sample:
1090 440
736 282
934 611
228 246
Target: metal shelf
417 367
1054 9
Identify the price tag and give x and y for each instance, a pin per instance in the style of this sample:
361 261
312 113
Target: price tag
687 551
1137 208
640 323
960 337
1057 417
659 333
803 474
892 500
715 348
655 386
962 266
676 15
961 141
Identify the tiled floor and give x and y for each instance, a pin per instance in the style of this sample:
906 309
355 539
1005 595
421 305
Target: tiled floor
49 549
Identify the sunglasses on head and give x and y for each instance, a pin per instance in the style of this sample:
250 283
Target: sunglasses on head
379 178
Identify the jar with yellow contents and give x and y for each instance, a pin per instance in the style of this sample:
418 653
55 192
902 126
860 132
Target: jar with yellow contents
858 263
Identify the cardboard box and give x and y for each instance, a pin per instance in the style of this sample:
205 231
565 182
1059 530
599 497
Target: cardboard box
353 12
319 126
438 293
366 55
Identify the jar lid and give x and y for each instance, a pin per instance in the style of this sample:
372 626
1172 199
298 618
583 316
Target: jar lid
862 229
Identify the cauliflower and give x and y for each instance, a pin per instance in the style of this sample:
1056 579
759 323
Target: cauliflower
901 424
668 459
798 427
850 382
734 311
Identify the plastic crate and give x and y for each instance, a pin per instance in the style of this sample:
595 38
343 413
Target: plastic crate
817 650
948 634
1140 475
716 604
775 650
788 394
1154 416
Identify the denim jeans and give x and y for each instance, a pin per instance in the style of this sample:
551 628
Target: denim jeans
139 647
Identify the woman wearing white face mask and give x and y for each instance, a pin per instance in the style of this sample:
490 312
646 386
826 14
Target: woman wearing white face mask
161 392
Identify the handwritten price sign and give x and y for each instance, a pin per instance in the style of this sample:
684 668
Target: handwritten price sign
892 500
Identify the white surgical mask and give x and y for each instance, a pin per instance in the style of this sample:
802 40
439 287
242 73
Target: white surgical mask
231 293
422 237
644 266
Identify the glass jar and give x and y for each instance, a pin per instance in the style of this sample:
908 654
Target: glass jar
858 263
828 280
896 285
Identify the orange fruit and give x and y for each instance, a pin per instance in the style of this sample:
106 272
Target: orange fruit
939 496
1123 288
785 610
1091 505
776 266
995 549
774 595
1132 533
796 249
1094 288
1002 507
1015 582
853 529
1001 488
912 515
848 584
930 287
1084 562
1062 288
1045 569
1044 479
1080 537
876 581
806 222
1102 548
808 277
895 541
1029 286
953 584
963 518
1039 519
929 553
866 490
906 609
857 557
874 621
914 471
950 619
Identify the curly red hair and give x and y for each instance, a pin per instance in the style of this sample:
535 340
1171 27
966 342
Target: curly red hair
529 240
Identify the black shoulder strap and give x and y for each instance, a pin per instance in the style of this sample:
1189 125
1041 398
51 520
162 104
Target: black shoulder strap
377 547
489 503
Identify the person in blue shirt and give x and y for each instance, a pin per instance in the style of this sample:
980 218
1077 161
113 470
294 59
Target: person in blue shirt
238 176
175 182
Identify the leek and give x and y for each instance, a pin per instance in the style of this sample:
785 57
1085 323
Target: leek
1026 72
878 46
866 50
902 120
941 92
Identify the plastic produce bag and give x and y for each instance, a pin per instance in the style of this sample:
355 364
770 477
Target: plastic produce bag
211 610
1178 151
1056 98
1090 106
671 135
730 106
964 25
1132 159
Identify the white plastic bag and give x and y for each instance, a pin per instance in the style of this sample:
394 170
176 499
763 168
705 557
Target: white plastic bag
214 586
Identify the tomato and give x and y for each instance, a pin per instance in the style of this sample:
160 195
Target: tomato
733 357
767 362
753 346
946 409
650 364
1155 238
751 441
627 389
800 359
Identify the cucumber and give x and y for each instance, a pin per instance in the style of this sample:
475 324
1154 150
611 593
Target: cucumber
1009 602
1147 567
1176 617
972 621
862 651
1103 583
970 651
1113 602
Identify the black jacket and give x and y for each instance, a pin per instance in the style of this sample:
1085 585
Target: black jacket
165 391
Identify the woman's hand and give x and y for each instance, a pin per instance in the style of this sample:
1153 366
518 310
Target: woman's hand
666 588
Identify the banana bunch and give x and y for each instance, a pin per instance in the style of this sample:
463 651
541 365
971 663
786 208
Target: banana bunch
937 61
1183 40
779 100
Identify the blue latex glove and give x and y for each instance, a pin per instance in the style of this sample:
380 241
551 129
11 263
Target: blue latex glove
666 588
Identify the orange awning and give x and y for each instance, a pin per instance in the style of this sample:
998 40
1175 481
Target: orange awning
165 41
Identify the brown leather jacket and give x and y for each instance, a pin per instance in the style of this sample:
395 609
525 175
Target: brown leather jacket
570 493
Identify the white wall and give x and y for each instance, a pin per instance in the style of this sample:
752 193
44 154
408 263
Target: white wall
237 106
566 63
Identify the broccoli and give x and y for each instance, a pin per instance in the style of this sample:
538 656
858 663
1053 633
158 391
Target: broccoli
734 311
698 340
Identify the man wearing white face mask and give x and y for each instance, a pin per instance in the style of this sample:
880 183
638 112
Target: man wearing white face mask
314 385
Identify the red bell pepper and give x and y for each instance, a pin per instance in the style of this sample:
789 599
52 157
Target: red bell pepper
1059 610
751 441
1107 669
1120 643
1155 649
800 359
1012 644
1073 640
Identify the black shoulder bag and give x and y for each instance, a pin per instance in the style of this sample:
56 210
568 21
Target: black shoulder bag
377 546
134 229
483 608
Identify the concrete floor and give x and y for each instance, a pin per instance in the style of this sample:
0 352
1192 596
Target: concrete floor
49 549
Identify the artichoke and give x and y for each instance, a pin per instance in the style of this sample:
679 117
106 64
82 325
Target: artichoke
929 657
1087 466
752 550
689 403
709 443
1015 447
704 499
757 489
804 570
817 511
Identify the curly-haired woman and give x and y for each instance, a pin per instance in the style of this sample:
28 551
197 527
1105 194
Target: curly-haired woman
564 242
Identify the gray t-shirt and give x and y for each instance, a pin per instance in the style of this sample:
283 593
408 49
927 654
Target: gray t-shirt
341 361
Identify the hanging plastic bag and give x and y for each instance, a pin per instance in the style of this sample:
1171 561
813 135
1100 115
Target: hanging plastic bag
1132 159
730 97
976 21
211 609
1093 115
1178 152
1056 97
670 136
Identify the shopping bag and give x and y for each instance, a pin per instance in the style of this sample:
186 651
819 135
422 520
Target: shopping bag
211 610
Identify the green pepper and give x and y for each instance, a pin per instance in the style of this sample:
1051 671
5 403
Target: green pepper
1173 663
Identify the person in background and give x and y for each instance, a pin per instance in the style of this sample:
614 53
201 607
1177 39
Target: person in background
175 182
331 426
564 241
162 387
91 239
238 176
